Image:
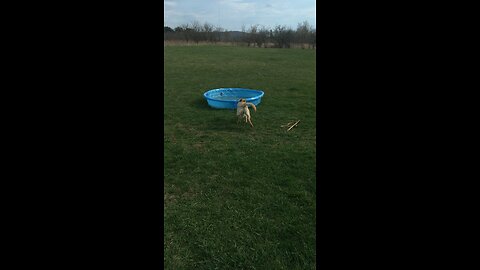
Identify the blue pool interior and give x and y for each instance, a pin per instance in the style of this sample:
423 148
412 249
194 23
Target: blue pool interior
226 98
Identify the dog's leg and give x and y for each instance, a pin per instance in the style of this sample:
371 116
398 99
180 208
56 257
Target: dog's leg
250 121
239 116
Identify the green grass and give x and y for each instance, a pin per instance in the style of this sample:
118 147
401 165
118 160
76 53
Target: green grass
238 197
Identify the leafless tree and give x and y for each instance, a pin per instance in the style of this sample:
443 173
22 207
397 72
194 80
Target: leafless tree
282 36
217 34
186 32
302 34
197 30
262 37
255 35
313 38
208 32
252 35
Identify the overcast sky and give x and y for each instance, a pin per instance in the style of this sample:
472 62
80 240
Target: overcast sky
232 14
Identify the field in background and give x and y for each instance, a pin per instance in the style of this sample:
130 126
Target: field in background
221 43
238 197
201 43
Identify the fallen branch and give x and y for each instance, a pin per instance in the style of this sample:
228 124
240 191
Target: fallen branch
289 123
293 125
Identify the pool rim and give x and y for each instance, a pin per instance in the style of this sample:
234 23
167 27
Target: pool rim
261 93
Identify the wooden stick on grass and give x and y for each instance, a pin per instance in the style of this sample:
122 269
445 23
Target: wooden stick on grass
288 124
293 125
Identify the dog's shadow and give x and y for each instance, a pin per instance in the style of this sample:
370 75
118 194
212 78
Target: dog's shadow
223 120
219 119
201 104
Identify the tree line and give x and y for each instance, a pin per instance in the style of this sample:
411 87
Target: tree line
280 36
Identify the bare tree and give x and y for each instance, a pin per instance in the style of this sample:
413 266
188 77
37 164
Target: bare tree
226 36
262 37
208 32
313 38
197 31
245 38
255 35
186 31
302 34
217 34
282 36
252 35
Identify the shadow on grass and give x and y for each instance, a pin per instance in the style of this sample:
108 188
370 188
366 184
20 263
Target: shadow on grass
223 122
201 103
219 119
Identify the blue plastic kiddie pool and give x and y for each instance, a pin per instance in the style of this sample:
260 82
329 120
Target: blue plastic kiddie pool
227 98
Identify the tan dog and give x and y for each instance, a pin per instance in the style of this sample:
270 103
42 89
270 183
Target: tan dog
243 111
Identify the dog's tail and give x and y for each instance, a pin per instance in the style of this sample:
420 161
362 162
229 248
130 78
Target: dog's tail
253 106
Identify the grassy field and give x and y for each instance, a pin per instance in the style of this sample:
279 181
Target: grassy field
238 197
